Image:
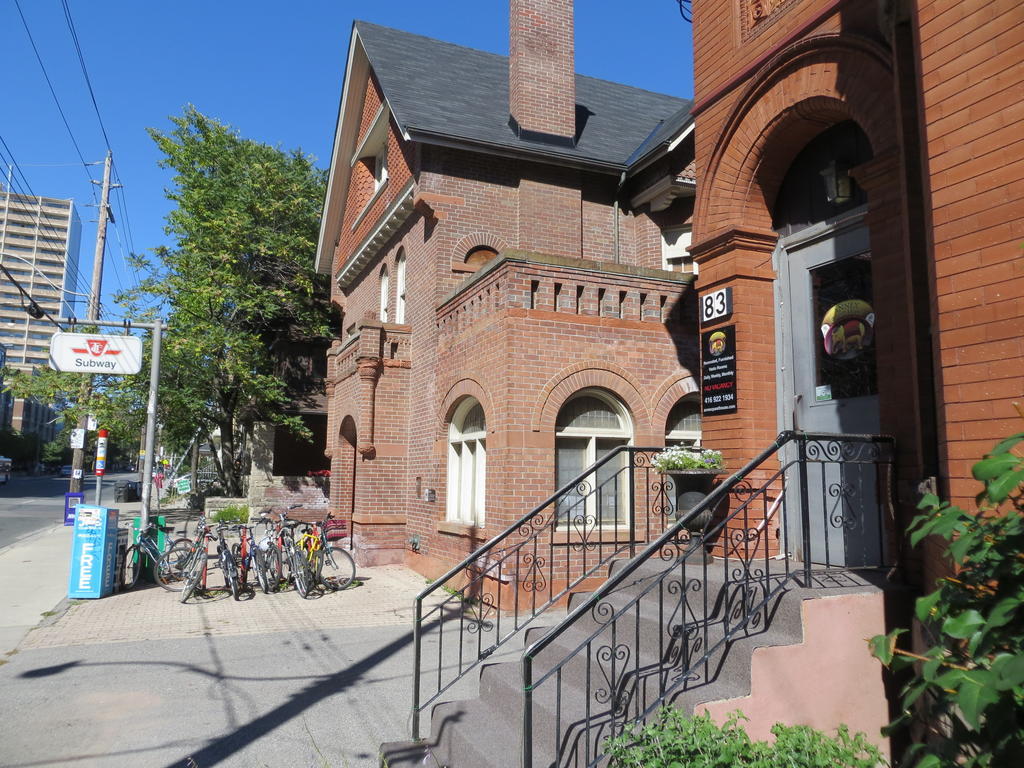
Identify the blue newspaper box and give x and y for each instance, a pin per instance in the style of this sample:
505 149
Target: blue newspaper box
93 552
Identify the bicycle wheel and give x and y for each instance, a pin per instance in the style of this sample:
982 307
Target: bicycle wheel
131 567
300 575
193 572
227 566
260 570
337 568
170 568
241 566
272 566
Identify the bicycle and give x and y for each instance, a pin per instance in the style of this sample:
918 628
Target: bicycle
290 553
330 566
198 563
247 556
226 561
194 570
168 562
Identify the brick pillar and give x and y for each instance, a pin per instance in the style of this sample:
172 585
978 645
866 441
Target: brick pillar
741 259
542 79
369 369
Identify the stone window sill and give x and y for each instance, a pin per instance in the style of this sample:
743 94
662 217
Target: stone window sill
453 528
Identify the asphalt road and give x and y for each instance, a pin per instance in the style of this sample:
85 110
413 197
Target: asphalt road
30 504
323 698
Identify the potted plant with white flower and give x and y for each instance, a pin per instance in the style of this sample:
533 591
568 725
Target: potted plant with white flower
693 471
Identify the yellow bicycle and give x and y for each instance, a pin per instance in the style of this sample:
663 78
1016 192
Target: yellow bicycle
327 563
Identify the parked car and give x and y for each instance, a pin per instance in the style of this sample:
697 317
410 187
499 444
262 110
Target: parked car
65 471
5 470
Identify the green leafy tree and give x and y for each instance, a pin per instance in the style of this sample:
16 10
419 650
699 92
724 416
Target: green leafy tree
117 402
238 285
967 693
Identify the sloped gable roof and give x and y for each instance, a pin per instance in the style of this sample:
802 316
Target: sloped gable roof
447 91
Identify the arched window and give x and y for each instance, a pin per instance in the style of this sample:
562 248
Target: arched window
400 288
683 424
479 256
467 464
384 290
590 425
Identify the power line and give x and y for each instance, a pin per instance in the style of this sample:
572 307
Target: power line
85 71
33 309
21 186
53 93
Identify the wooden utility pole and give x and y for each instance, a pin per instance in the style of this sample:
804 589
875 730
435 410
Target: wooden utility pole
93 313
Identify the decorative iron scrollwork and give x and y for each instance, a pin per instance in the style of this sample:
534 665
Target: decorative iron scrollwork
477 611
842 514
584 525
613 663
533 580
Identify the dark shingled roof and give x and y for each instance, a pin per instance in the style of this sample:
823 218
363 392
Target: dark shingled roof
460 93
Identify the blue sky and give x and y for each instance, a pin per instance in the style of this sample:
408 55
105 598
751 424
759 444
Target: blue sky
272 70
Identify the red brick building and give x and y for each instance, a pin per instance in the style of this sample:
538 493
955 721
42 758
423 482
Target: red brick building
507 242
917 103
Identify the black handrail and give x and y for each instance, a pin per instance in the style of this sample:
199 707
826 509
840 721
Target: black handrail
530 530
679 546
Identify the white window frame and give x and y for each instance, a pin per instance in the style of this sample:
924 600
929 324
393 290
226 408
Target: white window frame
467 469
592 435
400 288
685 436
674 254
385 290
380 167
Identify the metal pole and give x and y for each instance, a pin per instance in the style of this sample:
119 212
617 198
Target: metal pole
147 472
416 652
805 510
527 754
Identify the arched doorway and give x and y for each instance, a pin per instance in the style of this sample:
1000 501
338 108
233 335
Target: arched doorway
826 311
825 333
346 483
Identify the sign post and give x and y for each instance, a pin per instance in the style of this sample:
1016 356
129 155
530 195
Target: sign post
101 462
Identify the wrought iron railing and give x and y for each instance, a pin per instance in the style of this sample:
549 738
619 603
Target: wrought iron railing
799 515
500 589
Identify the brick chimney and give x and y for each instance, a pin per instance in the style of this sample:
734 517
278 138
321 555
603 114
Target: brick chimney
541 70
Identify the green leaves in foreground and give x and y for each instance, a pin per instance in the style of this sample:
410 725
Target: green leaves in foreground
968 691
675 740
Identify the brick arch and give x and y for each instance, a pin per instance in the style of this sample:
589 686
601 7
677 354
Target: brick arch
467 386
584 374
672 389
474 240
810 86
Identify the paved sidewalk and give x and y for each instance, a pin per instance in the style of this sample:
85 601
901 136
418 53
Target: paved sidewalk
34 576
383 597
33 580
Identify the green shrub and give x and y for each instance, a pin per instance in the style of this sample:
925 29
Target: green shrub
233 513
675 740
968 687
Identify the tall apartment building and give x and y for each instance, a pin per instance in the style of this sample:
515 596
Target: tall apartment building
39 238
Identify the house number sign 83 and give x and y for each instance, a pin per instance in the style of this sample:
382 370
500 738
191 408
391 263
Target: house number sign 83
715 305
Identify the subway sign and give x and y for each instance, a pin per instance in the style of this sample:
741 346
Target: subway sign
95 353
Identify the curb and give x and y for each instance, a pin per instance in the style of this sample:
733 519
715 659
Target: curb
29 536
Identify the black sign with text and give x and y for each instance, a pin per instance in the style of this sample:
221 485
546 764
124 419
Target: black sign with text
718 383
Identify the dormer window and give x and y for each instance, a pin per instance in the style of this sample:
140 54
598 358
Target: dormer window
373 149
380 168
